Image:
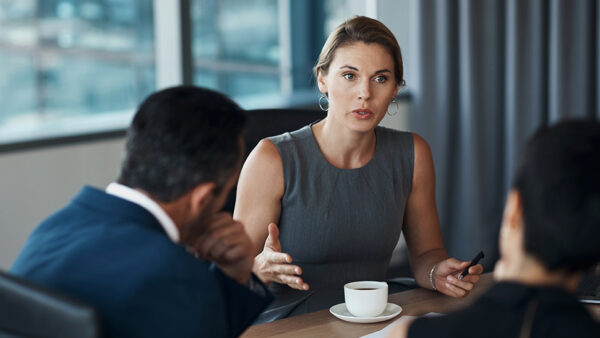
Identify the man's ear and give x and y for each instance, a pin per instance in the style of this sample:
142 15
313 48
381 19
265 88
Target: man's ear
513 211
321 82
199 195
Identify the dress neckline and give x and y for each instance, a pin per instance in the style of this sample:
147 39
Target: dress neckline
315 145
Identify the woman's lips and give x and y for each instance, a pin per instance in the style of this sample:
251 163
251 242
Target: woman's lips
362 113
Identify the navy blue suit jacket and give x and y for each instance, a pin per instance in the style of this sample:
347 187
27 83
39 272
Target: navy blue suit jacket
115 256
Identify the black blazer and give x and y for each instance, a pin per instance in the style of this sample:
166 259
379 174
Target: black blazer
501 312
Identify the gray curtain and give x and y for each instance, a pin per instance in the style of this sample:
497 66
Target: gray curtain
488 74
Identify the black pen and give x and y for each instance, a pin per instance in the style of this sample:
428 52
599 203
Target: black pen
473 262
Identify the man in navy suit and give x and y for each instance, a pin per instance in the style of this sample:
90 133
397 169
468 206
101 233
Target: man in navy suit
153 253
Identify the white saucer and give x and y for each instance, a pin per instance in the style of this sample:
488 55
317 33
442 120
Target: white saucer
340 311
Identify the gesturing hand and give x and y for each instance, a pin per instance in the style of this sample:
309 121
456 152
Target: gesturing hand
271 265
446 274
227 244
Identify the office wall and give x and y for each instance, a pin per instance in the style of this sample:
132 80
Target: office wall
34 183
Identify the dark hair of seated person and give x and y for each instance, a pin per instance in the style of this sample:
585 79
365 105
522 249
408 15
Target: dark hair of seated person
179 138
559 182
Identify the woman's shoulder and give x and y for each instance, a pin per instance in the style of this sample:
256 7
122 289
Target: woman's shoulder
265 152
411 140
294 144
394 136
393 132
295 136
272 150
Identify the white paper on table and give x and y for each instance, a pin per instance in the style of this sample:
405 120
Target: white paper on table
383 332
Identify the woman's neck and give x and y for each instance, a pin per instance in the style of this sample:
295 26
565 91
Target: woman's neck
344 148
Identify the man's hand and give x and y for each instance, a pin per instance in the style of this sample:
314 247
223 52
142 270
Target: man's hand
227 244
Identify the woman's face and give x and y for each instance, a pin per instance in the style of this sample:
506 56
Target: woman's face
360 84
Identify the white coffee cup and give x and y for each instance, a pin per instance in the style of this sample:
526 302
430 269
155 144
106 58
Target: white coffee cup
366 298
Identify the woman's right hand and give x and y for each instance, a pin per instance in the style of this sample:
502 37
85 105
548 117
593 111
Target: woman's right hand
272 265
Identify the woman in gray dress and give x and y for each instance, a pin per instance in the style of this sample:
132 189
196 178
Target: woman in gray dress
325 204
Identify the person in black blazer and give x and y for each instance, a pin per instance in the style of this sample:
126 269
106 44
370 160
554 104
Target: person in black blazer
153 253
549 237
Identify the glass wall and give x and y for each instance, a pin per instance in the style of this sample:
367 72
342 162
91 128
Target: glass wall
235 44
61 60
82 66
336 11
256 50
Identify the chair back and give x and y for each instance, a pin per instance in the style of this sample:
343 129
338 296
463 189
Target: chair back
270 122
28 310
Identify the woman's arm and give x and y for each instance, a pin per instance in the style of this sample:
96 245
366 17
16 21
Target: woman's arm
258 207
423 236
259 192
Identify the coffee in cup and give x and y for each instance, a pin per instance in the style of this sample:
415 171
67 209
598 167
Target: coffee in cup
366 298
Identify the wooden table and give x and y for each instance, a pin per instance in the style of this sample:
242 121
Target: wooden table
414 302
323 324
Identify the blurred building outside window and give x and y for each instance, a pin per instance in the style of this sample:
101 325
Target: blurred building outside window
82 66
72 66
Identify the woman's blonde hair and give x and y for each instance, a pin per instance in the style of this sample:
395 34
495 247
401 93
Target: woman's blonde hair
360 29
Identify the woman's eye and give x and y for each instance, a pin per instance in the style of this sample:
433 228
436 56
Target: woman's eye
381 79
349 76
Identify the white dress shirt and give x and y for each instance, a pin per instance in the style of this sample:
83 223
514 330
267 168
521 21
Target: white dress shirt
134 196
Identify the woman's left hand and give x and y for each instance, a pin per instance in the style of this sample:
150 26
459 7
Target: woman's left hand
445 277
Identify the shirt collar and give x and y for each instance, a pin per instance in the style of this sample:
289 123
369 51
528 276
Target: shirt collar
147 203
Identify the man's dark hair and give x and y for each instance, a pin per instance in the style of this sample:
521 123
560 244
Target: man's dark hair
559 182
181 137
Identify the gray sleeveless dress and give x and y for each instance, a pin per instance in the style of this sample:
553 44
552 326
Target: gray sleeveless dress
339 225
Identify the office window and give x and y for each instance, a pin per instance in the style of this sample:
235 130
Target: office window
70 66
261 52
74 67
336 11
235 45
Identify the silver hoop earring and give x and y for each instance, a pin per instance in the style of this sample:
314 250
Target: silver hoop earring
324 102
396 106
